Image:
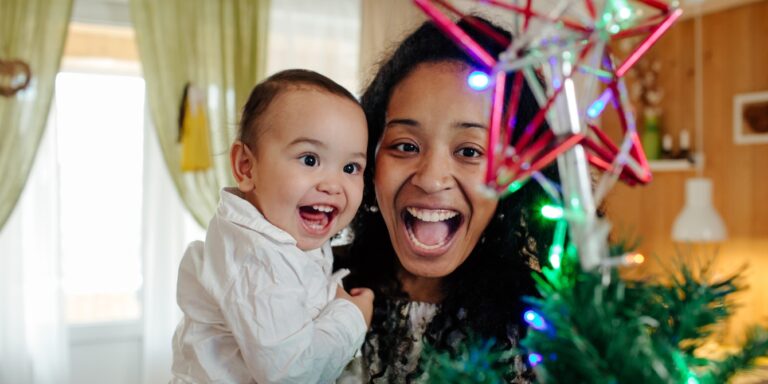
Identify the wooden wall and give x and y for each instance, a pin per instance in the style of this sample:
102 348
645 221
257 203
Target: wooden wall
735 61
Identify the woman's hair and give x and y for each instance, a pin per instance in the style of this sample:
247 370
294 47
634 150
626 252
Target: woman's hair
264 93
483 295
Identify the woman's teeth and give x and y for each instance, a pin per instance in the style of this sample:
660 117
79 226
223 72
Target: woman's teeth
432 215
419 244
430 229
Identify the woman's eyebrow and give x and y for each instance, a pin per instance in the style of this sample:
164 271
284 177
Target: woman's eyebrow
404 121
469 124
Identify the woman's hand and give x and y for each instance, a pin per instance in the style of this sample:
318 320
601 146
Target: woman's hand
360 297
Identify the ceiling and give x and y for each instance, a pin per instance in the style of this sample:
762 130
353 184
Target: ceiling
117 12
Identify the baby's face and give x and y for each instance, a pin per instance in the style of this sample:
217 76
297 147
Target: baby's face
309 162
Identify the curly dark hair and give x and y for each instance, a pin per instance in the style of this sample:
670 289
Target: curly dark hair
483 295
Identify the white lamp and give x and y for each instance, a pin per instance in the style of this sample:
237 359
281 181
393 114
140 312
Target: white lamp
699 221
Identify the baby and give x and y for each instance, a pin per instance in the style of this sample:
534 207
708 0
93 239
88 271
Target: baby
260 303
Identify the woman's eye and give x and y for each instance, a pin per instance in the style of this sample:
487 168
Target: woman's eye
309 160
469 152
406 147
352 168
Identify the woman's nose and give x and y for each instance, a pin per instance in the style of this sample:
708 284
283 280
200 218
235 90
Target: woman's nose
433 173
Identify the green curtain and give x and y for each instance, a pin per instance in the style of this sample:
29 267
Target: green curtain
219 46
32 31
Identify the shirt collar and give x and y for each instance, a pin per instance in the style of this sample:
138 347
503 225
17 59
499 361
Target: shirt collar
235 208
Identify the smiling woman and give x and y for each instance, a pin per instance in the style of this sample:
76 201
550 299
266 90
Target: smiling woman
444 260
428 170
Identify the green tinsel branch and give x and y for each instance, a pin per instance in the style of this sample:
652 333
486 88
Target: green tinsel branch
473 361
602 329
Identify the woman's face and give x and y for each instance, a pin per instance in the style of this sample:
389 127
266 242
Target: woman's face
429 168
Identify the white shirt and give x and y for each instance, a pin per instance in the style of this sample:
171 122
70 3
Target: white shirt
259 309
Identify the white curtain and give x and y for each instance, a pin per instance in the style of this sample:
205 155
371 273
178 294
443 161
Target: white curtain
167 228
33 339
323 36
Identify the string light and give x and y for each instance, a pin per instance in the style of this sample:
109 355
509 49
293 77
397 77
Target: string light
558 242
598 106
552 212
535 359
635 258
555 256
478 80
535 320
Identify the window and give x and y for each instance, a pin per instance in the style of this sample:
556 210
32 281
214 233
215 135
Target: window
99 120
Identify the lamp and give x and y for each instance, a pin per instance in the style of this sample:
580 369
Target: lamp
699 221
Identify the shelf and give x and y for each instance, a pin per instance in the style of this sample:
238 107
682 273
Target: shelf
671 165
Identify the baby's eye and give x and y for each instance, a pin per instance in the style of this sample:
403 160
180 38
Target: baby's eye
353 168
406 147
469 152
309 160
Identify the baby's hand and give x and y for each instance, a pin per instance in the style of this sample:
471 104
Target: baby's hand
360 297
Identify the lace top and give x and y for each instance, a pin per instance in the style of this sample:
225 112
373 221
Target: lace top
419 315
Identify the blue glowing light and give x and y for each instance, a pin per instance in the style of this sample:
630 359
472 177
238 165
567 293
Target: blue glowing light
535 320
478 80
595 109
598 106
534 359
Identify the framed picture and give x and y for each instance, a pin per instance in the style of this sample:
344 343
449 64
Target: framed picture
750 118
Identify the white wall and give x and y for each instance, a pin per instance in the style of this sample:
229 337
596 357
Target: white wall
105 354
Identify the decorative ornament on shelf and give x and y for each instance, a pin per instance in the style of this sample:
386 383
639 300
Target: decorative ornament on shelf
648 94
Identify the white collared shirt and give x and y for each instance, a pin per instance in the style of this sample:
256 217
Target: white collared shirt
259 309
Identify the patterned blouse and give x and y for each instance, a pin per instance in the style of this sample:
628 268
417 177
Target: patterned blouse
419 315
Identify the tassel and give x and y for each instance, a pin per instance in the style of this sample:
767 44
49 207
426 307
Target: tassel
193 131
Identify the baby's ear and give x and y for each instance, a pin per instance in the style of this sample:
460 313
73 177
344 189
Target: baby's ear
242 166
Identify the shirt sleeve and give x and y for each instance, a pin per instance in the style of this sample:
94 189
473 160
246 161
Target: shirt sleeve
278 339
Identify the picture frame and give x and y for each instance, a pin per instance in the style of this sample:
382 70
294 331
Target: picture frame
750 118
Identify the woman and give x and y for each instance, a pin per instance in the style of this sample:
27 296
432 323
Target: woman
455 262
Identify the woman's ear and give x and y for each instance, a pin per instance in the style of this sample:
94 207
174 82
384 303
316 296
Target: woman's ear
242 166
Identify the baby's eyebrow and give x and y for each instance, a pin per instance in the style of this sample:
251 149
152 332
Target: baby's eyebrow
307 140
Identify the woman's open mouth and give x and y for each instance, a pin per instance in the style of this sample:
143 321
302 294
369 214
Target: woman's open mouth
317 219
430 231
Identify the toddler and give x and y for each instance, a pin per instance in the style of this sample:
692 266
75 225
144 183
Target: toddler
260 303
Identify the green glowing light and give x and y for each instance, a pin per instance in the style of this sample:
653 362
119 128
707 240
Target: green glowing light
575 203
556 250
552 212
555 255
514 186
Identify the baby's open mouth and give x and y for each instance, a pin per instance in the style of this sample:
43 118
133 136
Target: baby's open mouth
431 229
317 217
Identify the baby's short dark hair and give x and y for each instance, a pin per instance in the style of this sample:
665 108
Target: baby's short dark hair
265 92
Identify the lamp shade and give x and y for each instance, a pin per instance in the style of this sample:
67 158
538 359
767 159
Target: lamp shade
698 222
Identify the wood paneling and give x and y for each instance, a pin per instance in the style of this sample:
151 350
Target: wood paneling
735 61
